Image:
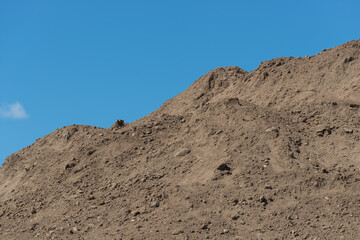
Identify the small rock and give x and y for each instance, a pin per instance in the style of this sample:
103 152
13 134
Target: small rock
154 204
225 231
27 167
117 124
205 226
272 129
348 130
33 211
183 152
91 197
70 165
235 201
323 130
348 59
223 167
74 230
263 200
33 226
90 152
354 105
177 232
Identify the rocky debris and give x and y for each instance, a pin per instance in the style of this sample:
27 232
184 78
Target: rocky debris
324 131
348 59
71 164
348 130
70 132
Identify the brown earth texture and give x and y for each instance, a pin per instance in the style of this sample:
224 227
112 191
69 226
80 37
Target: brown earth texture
269 154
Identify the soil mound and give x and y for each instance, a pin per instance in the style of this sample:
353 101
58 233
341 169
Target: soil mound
270 154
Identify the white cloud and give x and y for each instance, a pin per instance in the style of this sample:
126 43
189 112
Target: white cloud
13 110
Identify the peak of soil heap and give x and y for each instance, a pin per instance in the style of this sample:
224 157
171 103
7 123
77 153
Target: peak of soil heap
270 154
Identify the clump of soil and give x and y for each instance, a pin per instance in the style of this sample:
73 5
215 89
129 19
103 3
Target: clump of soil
270 154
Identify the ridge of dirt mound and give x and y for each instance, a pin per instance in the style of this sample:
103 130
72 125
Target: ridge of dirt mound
281 83
270 154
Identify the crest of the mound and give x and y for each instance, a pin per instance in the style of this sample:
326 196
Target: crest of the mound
283 83
212 85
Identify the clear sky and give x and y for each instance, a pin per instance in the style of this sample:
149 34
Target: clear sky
92 62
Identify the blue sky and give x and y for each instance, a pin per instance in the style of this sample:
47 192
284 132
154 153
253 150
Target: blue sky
92 62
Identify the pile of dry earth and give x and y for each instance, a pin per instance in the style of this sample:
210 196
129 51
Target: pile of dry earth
270 154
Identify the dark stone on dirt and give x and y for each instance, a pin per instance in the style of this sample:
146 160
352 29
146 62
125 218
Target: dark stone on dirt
117 124
33 211
223 167
348 59
205 226
70 165
263 200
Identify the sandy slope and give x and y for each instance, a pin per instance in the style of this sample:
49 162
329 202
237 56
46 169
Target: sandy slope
270 154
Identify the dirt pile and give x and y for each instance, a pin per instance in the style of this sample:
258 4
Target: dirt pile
270 154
